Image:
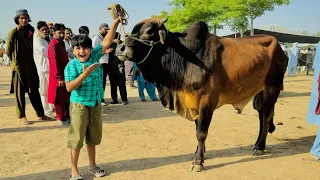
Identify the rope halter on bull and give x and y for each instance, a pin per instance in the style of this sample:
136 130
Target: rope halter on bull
162 36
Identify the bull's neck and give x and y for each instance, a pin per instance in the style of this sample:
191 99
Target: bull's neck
169 62
164 67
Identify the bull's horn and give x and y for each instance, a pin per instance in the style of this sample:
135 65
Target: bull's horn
162 21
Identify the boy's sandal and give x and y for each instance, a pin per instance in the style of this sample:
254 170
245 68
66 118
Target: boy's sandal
25 121
97 172
78 177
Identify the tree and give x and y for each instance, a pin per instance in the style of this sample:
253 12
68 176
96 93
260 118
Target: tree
238 24
256 8
215 12
186 12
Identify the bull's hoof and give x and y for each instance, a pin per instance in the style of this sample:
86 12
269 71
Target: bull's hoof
238 111
257 152
196 168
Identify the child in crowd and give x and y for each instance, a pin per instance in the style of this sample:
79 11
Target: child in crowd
83 77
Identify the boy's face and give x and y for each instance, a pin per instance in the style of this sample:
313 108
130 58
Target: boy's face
82 53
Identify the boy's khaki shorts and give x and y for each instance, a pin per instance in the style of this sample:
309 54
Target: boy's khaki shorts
85 122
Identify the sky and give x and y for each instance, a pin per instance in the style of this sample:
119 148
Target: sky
298 16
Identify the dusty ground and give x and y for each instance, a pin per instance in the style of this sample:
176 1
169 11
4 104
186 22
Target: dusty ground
144 141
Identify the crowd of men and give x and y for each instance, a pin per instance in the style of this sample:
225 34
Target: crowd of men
66 74
44 54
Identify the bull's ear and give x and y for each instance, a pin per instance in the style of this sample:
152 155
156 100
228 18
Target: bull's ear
162 35
162 21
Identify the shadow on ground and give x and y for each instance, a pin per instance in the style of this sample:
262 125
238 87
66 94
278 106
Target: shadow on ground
288 147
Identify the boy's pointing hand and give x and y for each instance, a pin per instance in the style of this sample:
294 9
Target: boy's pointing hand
90 69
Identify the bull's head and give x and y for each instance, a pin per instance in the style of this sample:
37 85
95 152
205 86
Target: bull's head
143 38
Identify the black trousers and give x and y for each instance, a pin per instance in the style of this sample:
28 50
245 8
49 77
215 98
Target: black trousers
118 80
105 73
20 100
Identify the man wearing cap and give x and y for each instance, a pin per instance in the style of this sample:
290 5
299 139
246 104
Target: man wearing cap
25 78
96 40
50 26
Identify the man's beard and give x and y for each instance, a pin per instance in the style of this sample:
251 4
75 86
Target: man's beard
103 34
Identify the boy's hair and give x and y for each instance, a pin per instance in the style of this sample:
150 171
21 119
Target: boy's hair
68 29
16 19
81 41
41 24
83 30
58 26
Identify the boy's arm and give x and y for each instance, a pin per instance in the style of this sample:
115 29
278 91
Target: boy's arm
107 41
72 85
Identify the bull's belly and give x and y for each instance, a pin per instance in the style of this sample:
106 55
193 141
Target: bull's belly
239 99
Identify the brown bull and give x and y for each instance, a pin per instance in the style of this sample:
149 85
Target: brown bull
196 73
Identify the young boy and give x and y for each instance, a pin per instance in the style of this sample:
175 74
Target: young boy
83 77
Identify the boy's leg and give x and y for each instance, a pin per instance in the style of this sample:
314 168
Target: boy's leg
151 90
94 133
141 86
79 115
92 155
74 161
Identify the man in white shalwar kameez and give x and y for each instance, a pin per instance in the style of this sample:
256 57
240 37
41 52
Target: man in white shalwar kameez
5 57
67 43
40 53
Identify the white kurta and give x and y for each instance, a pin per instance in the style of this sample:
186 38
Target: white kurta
5 57
96 40
40 53
69 49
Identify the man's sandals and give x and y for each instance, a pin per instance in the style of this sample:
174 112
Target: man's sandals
25 121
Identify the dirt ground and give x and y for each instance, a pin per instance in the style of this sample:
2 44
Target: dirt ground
142 140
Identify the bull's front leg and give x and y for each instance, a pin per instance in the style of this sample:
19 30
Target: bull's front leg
203 123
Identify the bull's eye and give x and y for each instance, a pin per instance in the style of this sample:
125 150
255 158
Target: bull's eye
150 32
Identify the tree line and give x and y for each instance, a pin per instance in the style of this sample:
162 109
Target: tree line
239 15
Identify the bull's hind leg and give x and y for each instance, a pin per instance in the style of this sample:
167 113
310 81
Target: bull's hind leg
203 123
268 97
